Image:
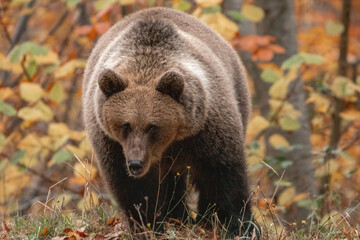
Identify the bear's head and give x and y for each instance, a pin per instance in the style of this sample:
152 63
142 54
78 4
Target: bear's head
144 119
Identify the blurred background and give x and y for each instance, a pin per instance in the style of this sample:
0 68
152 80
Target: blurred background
303 141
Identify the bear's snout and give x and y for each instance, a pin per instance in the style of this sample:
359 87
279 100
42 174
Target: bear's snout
135 167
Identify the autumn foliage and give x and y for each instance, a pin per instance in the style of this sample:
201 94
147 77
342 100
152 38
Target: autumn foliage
45 157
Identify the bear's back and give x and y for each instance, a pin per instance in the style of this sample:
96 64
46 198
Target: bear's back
171 30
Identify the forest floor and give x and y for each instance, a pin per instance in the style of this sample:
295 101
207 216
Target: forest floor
104 222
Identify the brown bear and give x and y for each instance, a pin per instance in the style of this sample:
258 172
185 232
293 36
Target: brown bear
166 102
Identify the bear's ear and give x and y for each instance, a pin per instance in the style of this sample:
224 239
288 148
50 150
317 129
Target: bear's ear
172 84
111 83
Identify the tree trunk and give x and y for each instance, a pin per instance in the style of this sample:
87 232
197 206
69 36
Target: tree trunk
279 21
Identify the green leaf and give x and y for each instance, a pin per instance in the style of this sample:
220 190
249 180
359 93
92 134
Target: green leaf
16 158
346 156
300 58
212 9
293 61
71 3
7 109
182 5
2 141
62 156
101 4
286 164
349 174
236 15
57 93
3 163
311 58
334 28
358 80
270 76
31 69
289 124
31 48
282 183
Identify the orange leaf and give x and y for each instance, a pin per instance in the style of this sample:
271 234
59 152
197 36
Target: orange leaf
248 43
92 34
263 40
83 30
111 222
102 27
44 231
262 54
276 48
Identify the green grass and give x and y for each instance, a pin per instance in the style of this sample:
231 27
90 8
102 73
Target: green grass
96 222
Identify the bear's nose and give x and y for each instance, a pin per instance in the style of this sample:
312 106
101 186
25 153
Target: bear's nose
135 167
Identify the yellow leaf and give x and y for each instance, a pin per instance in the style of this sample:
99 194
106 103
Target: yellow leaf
342 87
14 180
90 201
46 111
289 124
39 112
276 140
253 13
286 109
85 171
68 68
6 64
321 103
329 219
77 151
350 114
56 130
57 93
291 75
6 93
30 114
77 136
85 145
256 125
207 3
31 143
256 155
197 12
61 201
279 89
221 24
126 2
327 168
51 57
31 92
287 196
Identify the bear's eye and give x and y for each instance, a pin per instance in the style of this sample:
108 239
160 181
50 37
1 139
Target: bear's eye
126 128
152 128
152 131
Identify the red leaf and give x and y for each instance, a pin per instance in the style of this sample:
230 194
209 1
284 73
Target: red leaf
248 43
102 27
5 227
81 234
276 48
263 54
83 30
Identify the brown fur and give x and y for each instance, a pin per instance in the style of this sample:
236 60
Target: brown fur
162 88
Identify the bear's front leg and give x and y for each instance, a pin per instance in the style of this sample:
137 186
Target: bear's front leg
223 189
